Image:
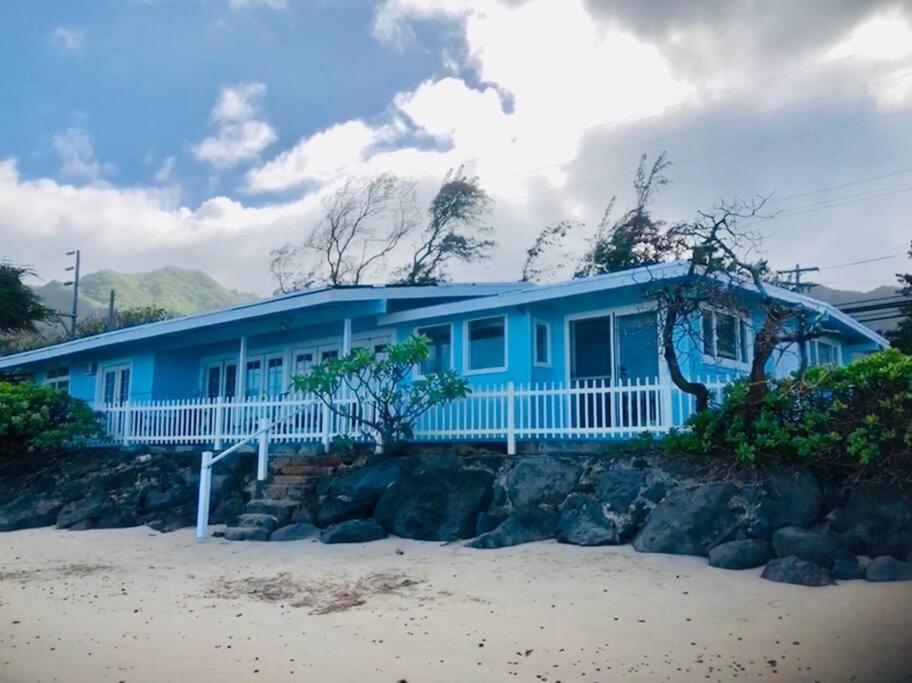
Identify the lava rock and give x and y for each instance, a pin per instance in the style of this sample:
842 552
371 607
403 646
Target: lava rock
785 498
887 568
877 520
690 521
797 571
488 521
353 494
435 503
618 488
157 499
585 521
28 511
523 526
541 480
84 513
246 533
816 547
173 519
744 554
257 521
353 531
295 532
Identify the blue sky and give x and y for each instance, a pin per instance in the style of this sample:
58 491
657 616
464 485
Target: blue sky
204 133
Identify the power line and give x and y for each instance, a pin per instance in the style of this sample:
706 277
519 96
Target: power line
857 263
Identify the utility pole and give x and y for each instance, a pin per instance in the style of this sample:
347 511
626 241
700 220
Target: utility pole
796 273
111 312
75 282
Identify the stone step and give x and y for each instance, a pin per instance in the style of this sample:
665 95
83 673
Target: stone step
303 470
319 460
281 491
289 479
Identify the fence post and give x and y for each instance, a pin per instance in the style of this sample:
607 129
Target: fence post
263 448
219 423
666 387
511 418
205 487
128 423
327 427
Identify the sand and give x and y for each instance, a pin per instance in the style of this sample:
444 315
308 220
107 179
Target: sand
134 605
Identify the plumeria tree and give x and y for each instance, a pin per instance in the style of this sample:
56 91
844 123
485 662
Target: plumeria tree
377 395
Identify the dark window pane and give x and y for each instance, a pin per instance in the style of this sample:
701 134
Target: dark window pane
542 352
439 347
487 347
744 341
591 348
708 333
726 336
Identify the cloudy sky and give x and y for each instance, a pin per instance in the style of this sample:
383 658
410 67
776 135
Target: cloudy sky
203 133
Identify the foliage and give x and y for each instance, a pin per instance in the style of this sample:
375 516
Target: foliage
455 216
20 308
377 393
854 420
130 317
364 220
901 337
35 417
549 237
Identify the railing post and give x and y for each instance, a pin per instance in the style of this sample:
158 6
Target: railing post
327 427
205 488
263 448
128 423
219 423
667 409
511 418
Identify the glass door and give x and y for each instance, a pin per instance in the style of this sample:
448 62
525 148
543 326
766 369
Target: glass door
591 366
115 385
221 379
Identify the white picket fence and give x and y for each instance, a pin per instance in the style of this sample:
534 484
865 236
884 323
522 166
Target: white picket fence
585 410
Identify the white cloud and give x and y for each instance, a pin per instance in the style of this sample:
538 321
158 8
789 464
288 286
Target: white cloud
69 40
241 136
163 174
882 37
245 4
77 155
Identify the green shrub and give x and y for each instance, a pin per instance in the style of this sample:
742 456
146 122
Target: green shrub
854 420
39 418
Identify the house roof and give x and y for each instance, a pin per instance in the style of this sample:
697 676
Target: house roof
277 304
635 276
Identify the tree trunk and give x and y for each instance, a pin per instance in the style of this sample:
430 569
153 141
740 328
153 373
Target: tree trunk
696 389
763 351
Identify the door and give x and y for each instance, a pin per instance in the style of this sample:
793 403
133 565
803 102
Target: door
221 379
114 390
637 361
591 367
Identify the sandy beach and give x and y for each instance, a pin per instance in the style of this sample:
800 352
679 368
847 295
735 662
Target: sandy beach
134 605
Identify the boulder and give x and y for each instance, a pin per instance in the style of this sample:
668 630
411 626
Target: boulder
690 521
173 519
887 568
618 488
877 520
585 521
163 499
353 531
257 521
784 498
434 503
813 546
744 554
295 532
541 480
28 511
84 513
282 510
795 570
488 521
523 526
843 570
353 494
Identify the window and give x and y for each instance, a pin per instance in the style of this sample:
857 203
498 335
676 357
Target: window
725 336
487 344
254 378
59 379
274 376
543 344
441 349
826 353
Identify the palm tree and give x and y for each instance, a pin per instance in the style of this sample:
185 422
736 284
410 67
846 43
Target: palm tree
20 308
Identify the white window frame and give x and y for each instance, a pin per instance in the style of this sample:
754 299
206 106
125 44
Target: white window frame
416 373
113 365
814 352
549 361
743 347
55 382
466 346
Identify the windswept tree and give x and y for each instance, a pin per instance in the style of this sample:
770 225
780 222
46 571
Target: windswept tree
455 231
535 267
364 221
20 308
901 337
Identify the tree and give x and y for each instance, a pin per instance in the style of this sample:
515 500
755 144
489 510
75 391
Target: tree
20 308
39 418
901 337
636 238
129 317
549 237
364 220
456 214
377 395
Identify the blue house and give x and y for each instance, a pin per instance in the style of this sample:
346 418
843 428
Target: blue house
576 359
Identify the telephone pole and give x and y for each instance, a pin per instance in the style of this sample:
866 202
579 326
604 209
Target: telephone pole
796 273
75 282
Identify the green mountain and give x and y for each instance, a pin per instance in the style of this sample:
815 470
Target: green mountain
179 291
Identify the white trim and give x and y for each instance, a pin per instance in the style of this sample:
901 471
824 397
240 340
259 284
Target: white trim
466 370
741 345
416 372
549 362
113 365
